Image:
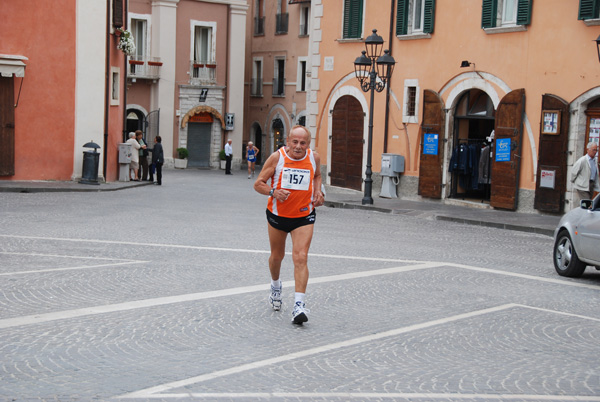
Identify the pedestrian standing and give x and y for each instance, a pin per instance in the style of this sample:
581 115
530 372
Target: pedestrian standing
228 156
134 165
143 154
584 175
158 158
294 192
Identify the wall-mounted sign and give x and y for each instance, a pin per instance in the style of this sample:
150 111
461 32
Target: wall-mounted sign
548 178
328 63
229 121
203 94
202 117
503 150
430 145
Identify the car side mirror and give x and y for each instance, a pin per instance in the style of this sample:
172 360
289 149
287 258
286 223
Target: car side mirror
586 204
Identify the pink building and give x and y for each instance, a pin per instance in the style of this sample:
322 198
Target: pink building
54 92
526 71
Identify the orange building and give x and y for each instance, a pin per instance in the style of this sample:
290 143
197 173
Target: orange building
60 87
519 77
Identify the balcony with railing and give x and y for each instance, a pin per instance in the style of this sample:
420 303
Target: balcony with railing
281 23
303 31
203 73
141 67
278 87
257 87
259 26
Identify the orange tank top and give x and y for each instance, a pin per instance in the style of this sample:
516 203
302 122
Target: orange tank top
295 175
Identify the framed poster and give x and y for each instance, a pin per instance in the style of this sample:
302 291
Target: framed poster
430 147
551 122
503 148
548 178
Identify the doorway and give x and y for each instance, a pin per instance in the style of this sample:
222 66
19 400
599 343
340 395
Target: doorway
471 163
347 143
198 144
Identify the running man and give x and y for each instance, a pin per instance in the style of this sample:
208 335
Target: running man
294 192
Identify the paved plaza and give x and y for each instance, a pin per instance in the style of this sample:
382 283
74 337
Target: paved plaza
160 293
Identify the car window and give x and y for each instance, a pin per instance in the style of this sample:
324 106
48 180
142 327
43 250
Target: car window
596 203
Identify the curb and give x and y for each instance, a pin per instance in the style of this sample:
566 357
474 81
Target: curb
92 188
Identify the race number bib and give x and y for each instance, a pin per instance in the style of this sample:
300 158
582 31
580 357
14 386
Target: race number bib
295 179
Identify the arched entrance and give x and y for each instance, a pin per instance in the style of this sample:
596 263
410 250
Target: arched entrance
136 121
278 134
347 143
470 164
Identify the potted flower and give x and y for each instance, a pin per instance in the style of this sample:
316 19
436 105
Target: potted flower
126 43
181 163
222 158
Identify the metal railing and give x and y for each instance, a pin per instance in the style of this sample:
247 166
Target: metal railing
259 26
303 31
278 87
257 87
281 23
202 72
144 67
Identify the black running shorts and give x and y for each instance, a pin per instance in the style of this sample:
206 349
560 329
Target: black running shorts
289 224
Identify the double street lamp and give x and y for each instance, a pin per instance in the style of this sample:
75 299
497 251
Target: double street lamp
373 71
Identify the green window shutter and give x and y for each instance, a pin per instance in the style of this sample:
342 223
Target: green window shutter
402 18
489 13
429 17
353 18
524 12
588 9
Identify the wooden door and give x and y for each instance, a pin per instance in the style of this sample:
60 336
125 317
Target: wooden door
347 131
7 126
551 182
198 144
506 161
432 153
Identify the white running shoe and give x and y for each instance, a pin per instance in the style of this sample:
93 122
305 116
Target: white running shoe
300 313
275 298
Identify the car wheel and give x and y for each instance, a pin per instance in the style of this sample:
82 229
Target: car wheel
566 261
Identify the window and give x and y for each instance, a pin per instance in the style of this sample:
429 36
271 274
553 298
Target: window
415 17
411 101
259 18
353 19
257 81
304 20
115 87
589 9
503 13
139 29
301 79
202 55
279 77
282 18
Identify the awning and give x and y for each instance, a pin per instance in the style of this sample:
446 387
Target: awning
12 64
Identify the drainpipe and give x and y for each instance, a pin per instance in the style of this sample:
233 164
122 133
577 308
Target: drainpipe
125 21
226 94
387 91
106 86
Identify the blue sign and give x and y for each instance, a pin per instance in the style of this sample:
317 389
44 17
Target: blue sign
503 150
430 147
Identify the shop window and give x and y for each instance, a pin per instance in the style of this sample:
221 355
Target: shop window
415 17
353 19
498 16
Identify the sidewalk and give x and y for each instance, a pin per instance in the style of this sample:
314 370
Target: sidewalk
468 213
450 210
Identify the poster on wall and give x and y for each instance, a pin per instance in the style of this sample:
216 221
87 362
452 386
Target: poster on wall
547 178
503 150
594 130
551 122
430 147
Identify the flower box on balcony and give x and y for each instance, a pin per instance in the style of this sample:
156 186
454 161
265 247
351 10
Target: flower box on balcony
196 65
155 63
211 66
136 62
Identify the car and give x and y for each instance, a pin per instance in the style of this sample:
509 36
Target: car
577 239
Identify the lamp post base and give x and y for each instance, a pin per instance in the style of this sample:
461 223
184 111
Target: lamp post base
367 201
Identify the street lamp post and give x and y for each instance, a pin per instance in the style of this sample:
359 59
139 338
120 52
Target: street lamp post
368 67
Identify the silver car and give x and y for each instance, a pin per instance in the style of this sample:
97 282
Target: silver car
577 239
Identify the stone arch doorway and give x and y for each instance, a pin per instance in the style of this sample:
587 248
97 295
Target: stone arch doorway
136 120
347 143
278 134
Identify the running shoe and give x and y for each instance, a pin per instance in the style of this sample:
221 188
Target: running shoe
275 298
299 315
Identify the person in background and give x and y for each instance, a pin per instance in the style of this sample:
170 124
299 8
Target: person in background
228 156
251 156
584 175
143 153
158 158
134 165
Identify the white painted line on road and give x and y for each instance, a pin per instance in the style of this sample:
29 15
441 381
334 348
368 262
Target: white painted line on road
78 257
161 301
146 393
71 268
373 395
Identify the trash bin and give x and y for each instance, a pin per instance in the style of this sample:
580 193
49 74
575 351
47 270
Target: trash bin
124 160
91 161
391 165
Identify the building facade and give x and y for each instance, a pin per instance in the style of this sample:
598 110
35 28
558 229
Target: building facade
56 99
278 69
488 102
186 80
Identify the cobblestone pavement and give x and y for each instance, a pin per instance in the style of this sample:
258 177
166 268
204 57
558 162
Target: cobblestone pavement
160 293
